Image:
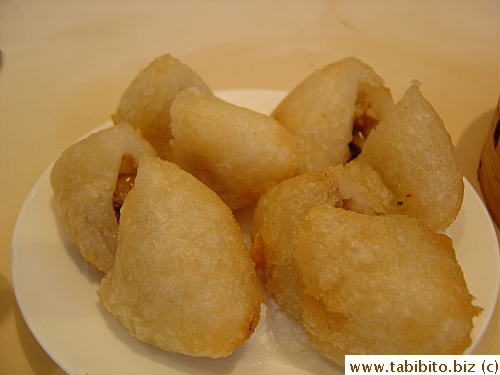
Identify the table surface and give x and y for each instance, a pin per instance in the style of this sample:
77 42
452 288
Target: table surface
65 65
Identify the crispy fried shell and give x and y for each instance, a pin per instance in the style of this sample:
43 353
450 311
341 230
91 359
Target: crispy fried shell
380 285
84 180
332 111
237 152
415 157
183 279
146 102
281 209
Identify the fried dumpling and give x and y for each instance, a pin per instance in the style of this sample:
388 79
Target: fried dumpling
146 102
183 279
282 208
237 152
86 183
332 111
415 157
380 285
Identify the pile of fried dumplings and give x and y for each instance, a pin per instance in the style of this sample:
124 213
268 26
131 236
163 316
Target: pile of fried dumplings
352 194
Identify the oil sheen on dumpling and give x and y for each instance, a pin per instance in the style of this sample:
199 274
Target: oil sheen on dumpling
183 279
84 180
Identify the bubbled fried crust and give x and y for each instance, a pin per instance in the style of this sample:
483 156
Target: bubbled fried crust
322 111
277 217
146 102
182 279
281 210
84 179
235 151
415 157
380 285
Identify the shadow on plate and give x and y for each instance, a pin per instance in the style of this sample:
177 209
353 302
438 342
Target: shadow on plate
39 361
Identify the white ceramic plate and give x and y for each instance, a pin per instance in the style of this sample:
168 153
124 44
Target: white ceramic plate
56 292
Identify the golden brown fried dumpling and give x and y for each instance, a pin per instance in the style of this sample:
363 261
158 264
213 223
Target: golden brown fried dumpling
277 217
282 208
146 102
415 157
235 151
84 180
363 190
380 285
332 109
183 279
